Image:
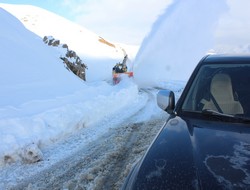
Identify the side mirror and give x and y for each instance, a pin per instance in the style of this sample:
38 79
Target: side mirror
166 100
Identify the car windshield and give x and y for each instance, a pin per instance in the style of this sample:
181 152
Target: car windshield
220 88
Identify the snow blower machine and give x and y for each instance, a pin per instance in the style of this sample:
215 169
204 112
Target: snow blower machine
121 69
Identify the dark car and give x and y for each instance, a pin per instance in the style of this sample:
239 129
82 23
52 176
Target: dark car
205 142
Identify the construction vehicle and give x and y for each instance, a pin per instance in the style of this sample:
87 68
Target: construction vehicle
121 69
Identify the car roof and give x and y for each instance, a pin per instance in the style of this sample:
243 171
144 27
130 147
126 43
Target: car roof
212 58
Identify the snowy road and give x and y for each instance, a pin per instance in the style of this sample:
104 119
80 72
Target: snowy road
103 163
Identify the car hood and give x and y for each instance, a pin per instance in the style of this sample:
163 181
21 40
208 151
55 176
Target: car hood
196 154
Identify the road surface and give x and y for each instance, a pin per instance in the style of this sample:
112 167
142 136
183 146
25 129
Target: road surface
102 163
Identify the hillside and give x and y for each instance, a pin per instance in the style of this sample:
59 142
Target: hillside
41 101
98 53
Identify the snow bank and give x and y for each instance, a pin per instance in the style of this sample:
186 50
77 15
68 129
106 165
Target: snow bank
42 102
83 109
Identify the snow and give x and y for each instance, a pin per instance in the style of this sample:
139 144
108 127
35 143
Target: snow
42 103
98 56
185 33
178 51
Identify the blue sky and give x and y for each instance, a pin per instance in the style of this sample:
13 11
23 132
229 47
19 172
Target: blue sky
124 21
56 6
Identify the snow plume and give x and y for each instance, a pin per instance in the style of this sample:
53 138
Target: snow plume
232 35
177 41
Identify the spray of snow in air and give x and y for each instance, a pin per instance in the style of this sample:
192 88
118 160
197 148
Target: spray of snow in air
177 41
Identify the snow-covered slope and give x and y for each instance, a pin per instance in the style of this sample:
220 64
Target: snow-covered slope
40 100
25 58
99 54
78 38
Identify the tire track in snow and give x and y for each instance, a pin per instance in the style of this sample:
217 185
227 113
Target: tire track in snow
104 163
130 142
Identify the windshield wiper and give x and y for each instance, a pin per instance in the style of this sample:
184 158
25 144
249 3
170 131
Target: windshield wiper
218 114
213 112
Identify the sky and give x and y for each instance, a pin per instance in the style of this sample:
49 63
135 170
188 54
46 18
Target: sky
123 21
